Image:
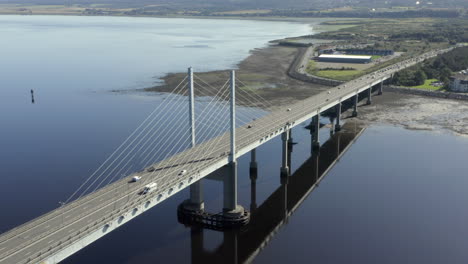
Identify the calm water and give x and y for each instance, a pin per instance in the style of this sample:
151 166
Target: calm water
396 196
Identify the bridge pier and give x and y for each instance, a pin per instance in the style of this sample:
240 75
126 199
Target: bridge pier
284 161
355 106
253 161
332 125
369 96
230 190
380 88
196 201
338 117
316 129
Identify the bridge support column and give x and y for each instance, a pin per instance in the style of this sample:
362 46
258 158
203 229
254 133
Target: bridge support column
196 196
315 137
338 117
230 189
380 88
332 127
369 96
285 152
356 101
290 140
253 161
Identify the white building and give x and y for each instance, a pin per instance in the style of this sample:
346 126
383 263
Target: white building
459 82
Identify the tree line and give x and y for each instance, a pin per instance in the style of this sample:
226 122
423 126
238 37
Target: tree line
441 68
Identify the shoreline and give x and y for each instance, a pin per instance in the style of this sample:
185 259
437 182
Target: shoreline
303 20
265 71
415 112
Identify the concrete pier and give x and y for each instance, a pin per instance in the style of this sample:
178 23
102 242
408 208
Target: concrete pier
253 161
196 201
230 189
332 125
316 129
338 117
355 105
369 96
380 88
285 152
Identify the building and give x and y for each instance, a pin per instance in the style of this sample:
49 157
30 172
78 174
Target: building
343 58
459 82
368 52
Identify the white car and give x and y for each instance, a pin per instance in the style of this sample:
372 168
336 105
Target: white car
182 172
136 178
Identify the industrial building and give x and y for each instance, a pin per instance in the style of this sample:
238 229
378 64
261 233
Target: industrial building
344 58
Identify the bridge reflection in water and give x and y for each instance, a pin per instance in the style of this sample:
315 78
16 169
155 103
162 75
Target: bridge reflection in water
239 246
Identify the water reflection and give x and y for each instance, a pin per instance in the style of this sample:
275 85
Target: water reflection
239 246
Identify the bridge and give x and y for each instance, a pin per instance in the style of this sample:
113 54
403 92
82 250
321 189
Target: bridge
107 200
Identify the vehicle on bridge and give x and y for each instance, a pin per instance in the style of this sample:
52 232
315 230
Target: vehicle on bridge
149 188
136 178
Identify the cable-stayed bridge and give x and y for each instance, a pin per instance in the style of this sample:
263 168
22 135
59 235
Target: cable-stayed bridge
181 142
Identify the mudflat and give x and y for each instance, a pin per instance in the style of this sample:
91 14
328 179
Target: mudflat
416 112
263 72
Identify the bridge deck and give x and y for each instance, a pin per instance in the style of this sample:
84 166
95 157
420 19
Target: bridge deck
56 231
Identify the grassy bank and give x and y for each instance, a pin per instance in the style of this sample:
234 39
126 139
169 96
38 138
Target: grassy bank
427 85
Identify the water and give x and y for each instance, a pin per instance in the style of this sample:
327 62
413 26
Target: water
396 196
72 63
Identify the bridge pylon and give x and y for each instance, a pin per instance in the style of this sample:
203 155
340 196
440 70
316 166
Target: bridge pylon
191 212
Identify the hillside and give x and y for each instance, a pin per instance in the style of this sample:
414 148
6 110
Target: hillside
252 4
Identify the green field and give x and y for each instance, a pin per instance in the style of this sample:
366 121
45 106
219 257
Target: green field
427 85
344 75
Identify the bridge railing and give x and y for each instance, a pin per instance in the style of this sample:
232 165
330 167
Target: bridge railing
86 230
